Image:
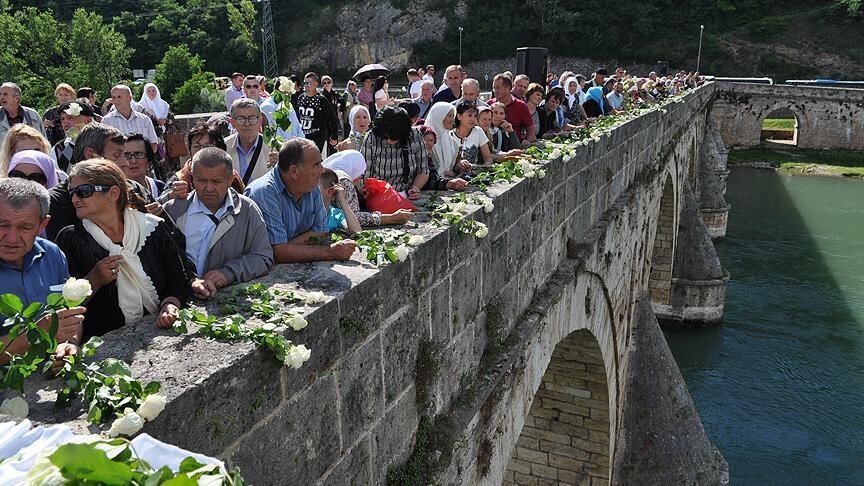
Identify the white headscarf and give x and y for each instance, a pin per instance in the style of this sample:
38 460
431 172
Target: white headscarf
444 151
353 113
348 164
157 106
135 290
578 96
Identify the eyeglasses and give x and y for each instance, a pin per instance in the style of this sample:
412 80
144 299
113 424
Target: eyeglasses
247 120
251 86
135 155
328 82
37 177
86 190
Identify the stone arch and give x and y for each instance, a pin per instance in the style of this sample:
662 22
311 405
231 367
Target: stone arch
776 135
663 249
566 434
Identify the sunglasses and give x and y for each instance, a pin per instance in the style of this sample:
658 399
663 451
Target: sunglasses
307 83
37 177
86 190
251 86
328 82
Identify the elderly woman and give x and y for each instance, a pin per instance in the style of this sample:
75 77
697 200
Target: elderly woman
594 104
128 256
21 137
35 166
349 165
358 122
395 153
572 109
441 118
151 102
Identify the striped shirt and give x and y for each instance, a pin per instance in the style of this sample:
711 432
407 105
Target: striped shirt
136 123
389 162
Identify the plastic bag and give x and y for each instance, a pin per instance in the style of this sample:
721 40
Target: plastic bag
381 197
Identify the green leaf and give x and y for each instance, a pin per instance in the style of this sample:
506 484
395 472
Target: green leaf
83 463
151 388
189 464
181 480
32 310
10 305
55 300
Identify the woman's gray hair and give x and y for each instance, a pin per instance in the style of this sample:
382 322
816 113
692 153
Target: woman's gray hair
243 103
18 193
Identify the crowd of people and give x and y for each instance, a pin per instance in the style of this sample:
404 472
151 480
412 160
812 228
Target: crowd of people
88 191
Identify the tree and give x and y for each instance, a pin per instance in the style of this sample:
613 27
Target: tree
32 53
241 18
99 56
852 6
177 66
195 95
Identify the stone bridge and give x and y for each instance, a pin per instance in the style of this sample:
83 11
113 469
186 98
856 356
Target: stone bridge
532 356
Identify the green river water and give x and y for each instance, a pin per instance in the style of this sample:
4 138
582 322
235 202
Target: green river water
780 383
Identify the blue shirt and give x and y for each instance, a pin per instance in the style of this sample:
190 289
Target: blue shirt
335 219
286 218
44 266
199 229
243 154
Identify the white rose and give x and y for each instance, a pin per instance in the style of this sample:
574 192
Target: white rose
297 355
596 138
286 85
488 206
541 173
75 290
15 406
127 424
73 110
458 207
297 322
152 407
416 240
555 154
401 253
530 174
482 231
43 472
524 165
315 298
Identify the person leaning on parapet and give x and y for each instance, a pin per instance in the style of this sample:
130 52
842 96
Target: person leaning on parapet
30 265
293 209
13 113
226 237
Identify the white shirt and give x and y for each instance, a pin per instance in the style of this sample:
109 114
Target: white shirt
232 94
199 229
615 100
416 87
136 123
427 77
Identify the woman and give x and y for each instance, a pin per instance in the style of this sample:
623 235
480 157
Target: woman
139 158
484 121
35 166
128 256
548 111
382 97
21 137
349 165
366 96
358 122
533 98
395 153
473 142
504 139
201 136
441 119
436 181
152 102
593 105
574 114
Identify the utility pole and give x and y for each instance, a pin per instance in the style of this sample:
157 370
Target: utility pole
460 45
699 56
268 42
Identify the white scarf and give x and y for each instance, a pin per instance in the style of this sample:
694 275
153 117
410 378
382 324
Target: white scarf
445 148
157 106
135 290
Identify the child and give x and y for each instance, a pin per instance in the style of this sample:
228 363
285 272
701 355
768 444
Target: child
337 218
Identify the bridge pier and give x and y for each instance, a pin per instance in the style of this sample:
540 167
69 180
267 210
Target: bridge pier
711 182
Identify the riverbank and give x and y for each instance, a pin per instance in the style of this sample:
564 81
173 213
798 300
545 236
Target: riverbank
831 163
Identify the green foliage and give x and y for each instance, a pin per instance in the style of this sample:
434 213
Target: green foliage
848 163
99 57
197 95
779 124
851 6
178 67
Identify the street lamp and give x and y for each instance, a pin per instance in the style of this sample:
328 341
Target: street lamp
460 45
699 56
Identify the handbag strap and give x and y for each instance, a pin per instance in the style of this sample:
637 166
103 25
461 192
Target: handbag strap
250 167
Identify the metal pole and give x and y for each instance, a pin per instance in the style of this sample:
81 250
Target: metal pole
263 54
460 46
699 56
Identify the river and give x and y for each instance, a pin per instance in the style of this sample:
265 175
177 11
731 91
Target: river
780 383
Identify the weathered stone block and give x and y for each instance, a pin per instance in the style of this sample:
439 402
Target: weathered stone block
361 394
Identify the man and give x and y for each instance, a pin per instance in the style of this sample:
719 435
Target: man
520 86
516 110
620 73
413 83
430 74
95 140
471 94
298 89
30 265
235 90
293 209
599 79
616 96
337 101
424 101
453 81
252 158
252 89
12 113
64 93
317 118
226 237
74 116
127 120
